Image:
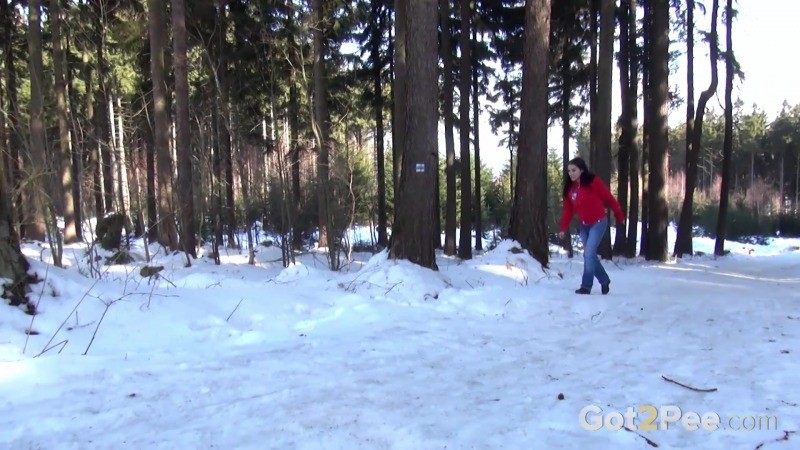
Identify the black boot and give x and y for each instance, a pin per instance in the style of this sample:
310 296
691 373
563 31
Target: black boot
604 288
583 291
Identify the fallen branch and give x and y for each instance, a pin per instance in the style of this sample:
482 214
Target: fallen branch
234 310
649 442
785 437
74 310
108 305
47 349
36 310
688 387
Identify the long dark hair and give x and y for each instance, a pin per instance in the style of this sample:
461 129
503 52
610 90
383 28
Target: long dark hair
586 176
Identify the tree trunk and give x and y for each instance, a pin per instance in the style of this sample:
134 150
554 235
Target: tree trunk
377 61
727 146
295 148
59 62
183 143
478 213
465 234
529 210
13 265
594 11
322 130
646 114
602 164
11 160
566 134
399 127
659 136
627 134
167 234
449 140
224 127
38 167
102 124
123 185
683 240
633 67
414 207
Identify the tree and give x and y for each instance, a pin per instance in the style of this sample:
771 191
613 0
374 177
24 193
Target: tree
627 138
529 212
601 157
182 141
167 234
38 164
377 71
658 65
449 141
727 147
415 208
59 65
322 131
633 126
13 265
694 136
465 235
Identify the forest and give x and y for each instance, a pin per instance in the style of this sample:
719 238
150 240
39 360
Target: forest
193 123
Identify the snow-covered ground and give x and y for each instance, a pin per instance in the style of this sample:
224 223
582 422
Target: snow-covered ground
488 353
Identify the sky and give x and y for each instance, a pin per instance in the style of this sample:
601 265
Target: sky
492 352
762 33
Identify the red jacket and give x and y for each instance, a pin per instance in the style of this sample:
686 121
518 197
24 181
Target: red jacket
589 202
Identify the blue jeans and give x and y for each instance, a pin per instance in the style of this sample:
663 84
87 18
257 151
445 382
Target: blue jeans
591 236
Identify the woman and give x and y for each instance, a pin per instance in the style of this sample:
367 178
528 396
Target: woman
586 195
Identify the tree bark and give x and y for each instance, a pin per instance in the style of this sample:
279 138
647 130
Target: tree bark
683 240
183 143
449 140
627 135
633 125
415 207
59 62
727 146
659 137
322 130
399 126
38 169
102 123
477 208
465 231
602 163
377 61
11 160
167 233
529 210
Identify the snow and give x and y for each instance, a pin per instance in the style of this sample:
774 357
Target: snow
388 355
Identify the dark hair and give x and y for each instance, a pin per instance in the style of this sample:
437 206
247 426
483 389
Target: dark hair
586 176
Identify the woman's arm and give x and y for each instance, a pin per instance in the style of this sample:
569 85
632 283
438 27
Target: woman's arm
605 194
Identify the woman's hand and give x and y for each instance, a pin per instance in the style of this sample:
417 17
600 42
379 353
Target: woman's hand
560 235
